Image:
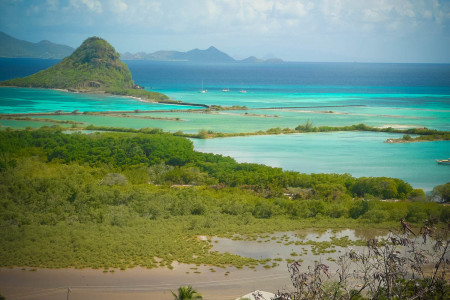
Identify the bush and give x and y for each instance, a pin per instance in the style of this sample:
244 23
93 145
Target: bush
114 179
442 193
359 208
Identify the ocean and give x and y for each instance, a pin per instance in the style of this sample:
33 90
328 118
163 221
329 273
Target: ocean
278 95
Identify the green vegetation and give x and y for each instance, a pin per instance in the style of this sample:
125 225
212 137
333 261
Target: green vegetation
186 292
424 134
234 107
141 94
17 118
442 192
118 200
94 66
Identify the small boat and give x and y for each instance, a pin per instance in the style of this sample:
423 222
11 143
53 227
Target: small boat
443 161
225 90
243 91
203 91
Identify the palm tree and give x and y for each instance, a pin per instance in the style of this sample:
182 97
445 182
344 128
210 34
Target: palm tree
187 292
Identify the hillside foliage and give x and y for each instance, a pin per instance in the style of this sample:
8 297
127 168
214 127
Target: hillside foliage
94 65
103 199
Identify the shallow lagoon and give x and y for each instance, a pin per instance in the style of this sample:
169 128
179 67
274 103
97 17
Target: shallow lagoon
358 153
27 100
396 95
255 120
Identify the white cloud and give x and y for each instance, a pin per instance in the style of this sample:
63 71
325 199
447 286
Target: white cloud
239 24
52 5
268 16
92 5
118 6
292 9
33 10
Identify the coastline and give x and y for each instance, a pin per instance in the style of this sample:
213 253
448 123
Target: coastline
174 102
100 92
402 141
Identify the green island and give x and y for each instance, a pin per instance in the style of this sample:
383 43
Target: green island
409 135
119 200
94 67
423 134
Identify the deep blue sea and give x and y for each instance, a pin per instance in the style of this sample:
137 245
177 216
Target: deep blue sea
397 95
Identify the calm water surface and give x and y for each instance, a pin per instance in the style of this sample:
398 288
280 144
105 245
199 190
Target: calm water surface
358 153
335 94
26 100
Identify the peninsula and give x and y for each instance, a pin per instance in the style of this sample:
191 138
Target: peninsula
94 67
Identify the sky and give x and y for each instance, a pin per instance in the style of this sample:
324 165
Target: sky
416 31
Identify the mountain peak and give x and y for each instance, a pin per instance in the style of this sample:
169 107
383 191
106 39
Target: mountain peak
95 50
210 55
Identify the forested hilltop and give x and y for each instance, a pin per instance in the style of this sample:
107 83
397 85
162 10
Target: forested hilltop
95 66
101 200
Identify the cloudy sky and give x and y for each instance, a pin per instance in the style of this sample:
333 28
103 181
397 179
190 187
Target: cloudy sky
295 30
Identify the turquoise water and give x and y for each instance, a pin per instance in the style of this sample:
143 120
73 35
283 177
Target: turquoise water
396 95
357 153
26 100
294 96
416 110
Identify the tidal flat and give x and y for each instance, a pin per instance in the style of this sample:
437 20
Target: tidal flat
214 282
306 246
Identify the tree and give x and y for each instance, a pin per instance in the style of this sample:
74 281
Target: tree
308 126
442 192
186 292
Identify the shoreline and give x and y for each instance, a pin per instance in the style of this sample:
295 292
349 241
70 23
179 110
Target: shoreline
402 141
203 134
94 113
99 92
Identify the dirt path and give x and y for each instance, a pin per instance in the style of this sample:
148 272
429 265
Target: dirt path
137 283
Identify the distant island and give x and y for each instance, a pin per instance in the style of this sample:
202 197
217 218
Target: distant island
14 48
95 66
210 55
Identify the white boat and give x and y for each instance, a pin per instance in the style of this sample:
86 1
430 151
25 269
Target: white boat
243 91
203 91
443 161
225 90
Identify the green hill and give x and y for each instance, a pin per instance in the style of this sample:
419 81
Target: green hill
95 65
